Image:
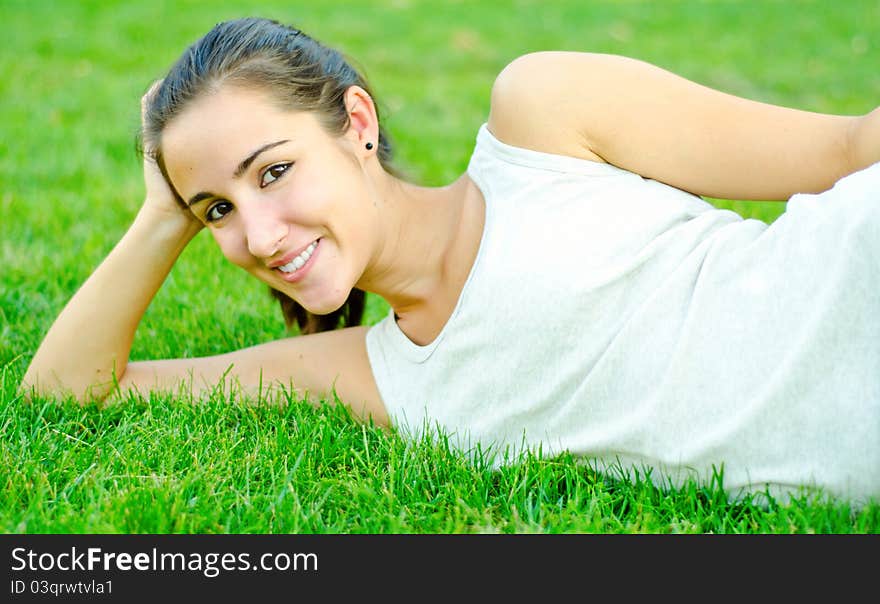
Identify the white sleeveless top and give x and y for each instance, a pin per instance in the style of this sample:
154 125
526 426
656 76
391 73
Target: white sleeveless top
640 327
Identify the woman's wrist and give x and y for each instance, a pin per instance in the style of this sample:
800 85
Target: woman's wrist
175 226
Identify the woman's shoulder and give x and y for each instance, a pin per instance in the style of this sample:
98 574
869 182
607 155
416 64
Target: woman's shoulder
526 112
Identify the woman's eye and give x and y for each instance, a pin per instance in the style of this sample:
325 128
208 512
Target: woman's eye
273 174
218 211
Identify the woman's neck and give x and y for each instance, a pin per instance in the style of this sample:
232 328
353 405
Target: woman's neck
426 251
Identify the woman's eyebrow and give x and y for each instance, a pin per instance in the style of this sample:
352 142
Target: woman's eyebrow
245 163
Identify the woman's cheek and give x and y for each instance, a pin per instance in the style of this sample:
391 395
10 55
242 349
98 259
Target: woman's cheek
233 248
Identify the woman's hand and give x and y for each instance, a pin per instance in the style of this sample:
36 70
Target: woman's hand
160 198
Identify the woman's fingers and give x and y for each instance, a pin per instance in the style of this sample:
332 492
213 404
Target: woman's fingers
148 96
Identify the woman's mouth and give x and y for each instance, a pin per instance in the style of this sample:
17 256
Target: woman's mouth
296 268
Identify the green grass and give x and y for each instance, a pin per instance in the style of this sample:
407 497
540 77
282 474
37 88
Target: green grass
70 183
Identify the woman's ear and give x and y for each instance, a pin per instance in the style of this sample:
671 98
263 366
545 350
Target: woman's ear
363 121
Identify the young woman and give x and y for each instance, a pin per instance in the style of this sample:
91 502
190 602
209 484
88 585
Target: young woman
569 291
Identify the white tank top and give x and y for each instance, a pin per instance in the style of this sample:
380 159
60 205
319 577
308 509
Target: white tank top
638 326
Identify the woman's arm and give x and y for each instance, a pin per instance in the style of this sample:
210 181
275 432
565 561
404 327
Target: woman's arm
86 349
314 366
866 140
649 121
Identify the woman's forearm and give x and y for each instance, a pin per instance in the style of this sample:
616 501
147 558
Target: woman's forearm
86 349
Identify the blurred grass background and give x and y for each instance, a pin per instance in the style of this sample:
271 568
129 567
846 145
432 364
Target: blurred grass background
73 73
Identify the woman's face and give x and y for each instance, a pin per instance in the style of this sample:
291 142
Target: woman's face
284 200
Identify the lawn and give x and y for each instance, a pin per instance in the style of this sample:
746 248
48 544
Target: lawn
70 183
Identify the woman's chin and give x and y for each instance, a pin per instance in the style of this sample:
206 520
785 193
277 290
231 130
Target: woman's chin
316 303
324 306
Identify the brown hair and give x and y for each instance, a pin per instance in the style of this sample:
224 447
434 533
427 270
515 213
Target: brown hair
300 74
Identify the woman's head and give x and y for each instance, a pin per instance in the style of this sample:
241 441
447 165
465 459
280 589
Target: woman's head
292 71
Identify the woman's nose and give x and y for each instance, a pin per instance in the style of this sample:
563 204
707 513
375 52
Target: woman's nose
265 233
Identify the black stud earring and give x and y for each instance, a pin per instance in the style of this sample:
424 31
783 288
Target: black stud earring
369 146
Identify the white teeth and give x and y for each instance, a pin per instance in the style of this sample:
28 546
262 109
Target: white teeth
298 262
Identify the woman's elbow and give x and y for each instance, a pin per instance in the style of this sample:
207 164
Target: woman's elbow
36 385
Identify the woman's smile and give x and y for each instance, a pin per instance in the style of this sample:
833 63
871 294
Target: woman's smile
294 266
